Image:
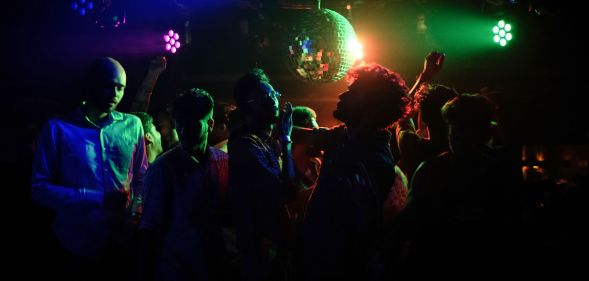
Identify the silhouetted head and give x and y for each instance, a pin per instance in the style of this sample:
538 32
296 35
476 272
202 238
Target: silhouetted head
256 98
431 101
376 97
468 117
192 113
165 125
303 116
106 84
221 117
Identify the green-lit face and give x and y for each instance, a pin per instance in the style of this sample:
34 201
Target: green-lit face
156 138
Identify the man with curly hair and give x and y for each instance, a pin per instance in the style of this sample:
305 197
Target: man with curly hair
345 211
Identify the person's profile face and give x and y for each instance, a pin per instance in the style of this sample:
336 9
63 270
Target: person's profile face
350 103
164 124
156 138
264 102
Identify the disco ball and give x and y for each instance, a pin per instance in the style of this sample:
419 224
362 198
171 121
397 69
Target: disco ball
321 47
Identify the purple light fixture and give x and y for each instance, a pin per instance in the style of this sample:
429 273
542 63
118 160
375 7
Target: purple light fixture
172 40
82 6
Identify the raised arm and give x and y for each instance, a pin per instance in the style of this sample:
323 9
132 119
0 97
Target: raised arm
431 66
143 97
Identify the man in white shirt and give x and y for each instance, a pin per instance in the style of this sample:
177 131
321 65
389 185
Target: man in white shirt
89 167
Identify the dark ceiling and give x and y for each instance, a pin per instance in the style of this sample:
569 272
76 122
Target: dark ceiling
48 46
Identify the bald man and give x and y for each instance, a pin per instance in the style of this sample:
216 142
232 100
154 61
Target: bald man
89 167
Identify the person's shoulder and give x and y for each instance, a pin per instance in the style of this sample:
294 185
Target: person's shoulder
442 160
429 170
117 115
337 131
127 120
409 134
164 159
240 137
217 154
244 139
340 128
55 121
74 116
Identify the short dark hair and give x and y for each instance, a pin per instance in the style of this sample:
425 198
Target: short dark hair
245 84
431 101
192 104
471 111
146 120
302 115
387 90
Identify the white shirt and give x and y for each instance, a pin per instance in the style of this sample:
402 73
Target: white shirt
76 162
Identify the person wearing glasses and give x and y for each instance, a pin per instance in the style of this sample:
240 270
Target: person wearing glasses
261 172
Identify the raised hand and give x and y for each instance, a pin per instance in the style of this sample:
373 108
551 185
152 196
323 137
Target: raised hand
158 65
285 122
432 65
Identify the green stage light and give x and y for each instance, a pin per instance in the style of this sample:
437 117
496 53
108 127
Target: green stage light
502 34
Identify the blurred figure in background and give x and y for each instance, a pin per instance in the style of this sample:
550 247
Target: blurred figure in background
219 137
153 138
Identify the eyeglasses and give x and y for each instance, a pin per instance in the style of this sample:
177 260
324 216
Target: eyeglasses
272 94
